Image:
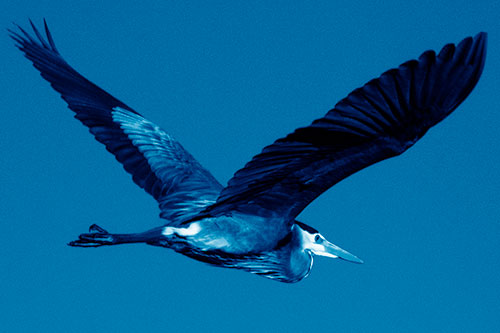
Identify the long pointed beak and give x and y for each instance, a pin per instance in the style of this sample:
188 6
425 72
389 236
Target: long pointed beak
333 251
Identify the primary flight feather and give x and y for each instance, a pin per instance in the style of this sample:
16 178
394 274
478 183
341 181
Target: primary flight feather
250 224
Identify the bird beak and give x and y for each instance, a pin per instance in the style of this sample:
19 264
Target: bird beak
333 251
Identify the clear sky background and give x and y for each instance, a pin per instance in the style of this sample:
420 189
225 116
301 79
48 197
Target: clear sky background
226 79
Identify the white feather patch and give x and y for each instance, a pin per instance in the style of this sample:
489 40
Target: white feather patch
192 230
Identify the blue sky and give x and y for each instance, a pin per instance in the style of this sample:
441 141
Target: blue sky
226 79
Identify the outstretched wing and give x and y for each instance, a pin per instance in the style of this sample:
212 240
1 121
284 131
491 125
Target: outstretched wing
380 120
156 161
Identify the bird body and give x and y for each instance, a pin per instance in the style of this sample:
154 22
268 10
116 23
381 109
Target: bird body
251 223
285 260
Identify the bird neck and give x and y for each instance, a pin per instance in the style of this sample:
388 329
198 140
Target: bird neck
301 260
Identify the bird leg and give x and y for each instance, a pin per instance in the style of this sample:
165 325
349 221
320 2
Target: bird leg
98 236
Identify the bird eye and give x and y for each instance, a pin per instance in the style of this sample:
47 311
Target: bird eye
317 238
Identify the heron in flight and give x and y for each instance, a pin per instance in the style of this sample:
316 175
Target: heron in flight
250 223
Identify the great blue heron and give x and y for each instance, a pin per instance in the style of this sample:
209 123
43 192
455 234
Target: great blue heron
250 224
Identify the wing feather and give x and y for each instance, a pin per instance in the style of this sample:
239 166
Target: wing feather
377 121
156 161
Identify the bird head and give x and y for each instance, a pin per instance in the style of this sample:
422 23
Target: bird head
314 243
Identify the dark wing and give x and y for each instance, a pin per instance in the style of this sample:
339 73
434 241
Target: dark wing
156 161
380 120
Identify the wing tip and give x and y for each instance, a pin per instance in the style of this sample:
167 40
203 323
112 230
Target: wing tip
480 45
22 42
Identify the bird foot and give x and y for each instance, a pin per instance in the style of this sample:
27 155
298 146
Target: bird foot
97 236
95 228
